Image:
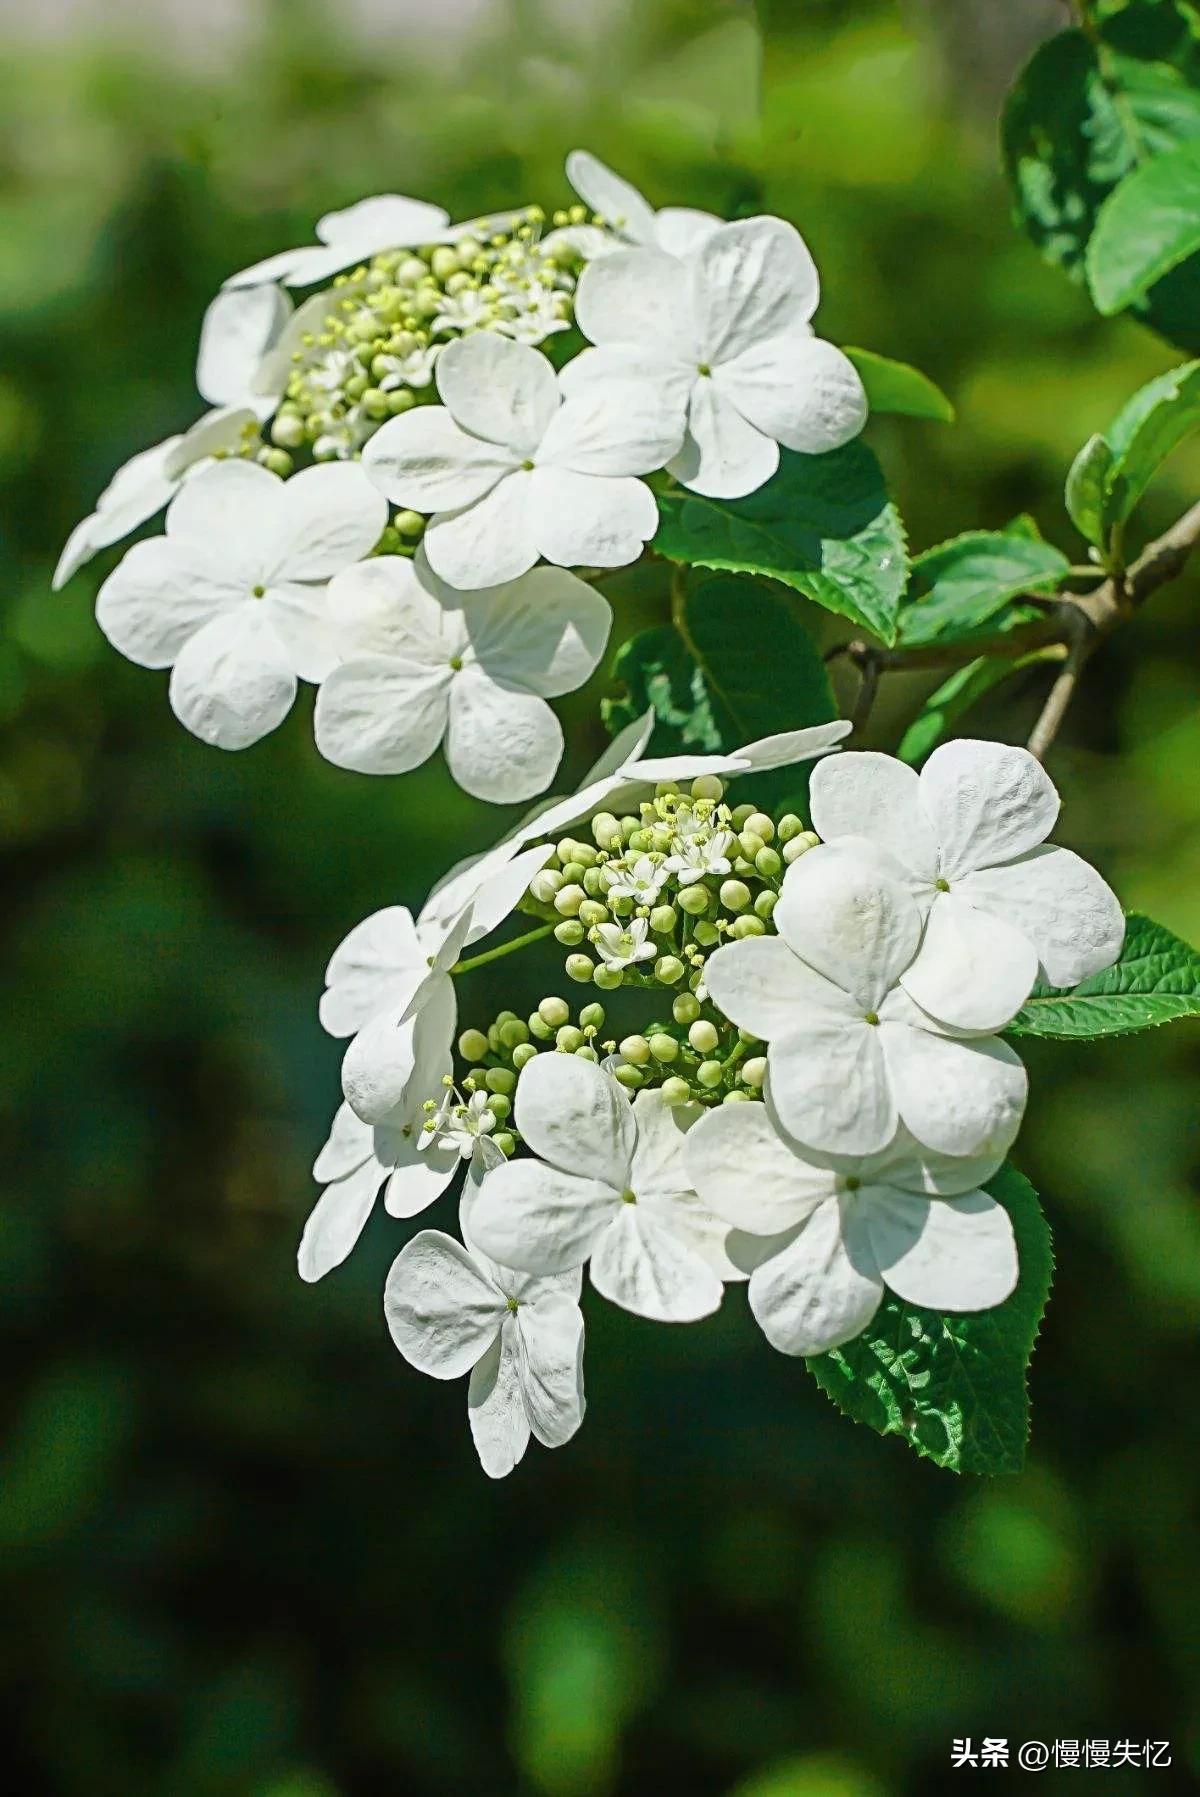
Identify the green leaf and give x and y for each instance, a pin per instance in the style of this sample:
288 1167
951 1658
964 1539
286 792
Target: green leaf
822 525
1156 980
953 1385
1154 423
1087 489
707 685
962 586
898 387
954 698
1147 227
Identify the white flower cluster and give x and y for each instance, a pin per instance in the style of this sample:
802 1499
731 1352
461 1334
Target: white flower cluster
447 457
819 1119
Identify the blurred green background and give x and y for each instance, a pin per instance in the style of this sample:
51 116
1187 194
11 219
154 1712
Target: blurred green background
246 1551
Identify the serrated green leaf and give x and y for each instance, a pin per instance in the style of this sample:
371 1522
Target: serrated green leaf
1087 489
1154 423
707 686
1147 227
962 586
898 387
953 1385
1156 980
954 698
822 525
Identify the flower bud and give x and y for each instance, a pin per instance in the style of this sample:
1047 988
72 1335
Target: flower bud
472 1045
764 905
710 1074
592 912
538 1027
707 786
476 1079
694 899
639 841
629 829
767 863
409 524
745 870
400 399
593 882
685 1007
737 1096
499 1105
607 830
635 1049
504 1141
374 403
761 824
741 815
706 934
500 1079
754 1072
568 1038
444 262
676 1091
277 460
570 932
800 845
513 1032
523 1054
568 899
663 919
666 788
629 1077
621 905
750 842
788 826
664 1047
607 978
586 1053
580 968
735 895
669 970
554 1012
592 1017
703 1036
544 886
288 431
749 925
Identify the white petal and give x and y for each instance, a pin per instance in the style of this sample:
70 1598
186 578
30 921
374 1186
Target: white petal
613 199
582 520
987 801
392 606
945 1253
533 1216
502 745
300 618
639 297
498 887
658 1165
238 329
388 221
351 1142
723 456
865 794
752 280
681 229
642 1266
227 516
337 1220
425 460
909 1166
576 1117
973 971
792 746
798 390
380 963
419 1176
278 267
378 1064
443 1312
551 1365
614 427
687 1219
137 490
856 927
830 1087
224 428
496 1405
380 715
761 986
502 391
955 1096
154 602
326 518
626 746
545 632
1071 916
83 543
488 542
748 1174
817 1293
232 683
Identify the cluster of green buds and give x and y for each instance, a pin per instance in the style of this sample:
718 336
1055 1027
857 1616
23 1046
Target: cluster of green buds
494 1057
650 896
370 346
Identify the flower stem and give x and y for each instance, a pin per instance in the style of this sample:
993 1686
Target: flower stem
505 948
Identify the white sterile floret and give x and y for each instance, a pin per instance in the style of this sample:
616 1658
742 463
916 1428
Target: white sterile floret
723 339
624 945
967 838
150 480
451 1310
512 471
625 216
233 597
609 1187
825 1236
389 221
641 881
851 1056
422 662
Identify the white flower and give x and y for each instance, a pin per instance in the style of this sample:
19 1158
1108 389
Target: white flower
724 339
512 472
148 481
236 364
232 598
610 1186
833 1233
698 850
466 1127
624 945
626 216
412 370
422 663
967 837
389 221
451 1311
851 1056
642 882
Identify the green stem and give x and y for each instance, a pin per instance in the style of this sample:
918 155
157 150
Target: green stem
735 1055
505 948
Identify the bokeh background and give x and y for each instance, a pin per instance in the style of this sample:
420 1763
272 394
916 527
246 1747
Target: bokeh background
247 1552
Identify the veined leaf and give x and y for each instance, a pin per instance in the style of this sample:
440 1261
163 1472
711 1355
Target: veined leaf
961 587
898 387
1147 227
1154 423
1087 490
1156 980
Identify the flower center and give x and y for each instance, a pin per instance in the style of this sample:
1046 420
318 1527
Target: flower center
456 662
628 1196
853 1183
942 885
258 592
514 1304
527 465
871 1017
704 368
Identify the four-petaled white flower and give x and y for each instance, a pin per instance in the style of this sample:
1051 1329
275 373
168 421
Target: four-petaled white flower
465 1126
388 221
824 1237
609 1187
698 850
967 837
233 597
723 338
422 662
627 217
624 945
851 1056
451 1311
511 471
642 882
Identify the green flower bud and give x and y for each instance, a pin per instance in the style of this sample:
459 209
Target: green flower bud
706 934
800 845
622 906
288 431
565 850
593 882
761 824
703 1036
635 1049
513 1032
685 1007
539 1027
764 905
400 399
412 269
573 872
664 1047
663 919
592 912
707 786
745 870
639 841
477 1078
592 1017
568 1038
737 1096
586 1053
524 1053
277 460
472 1045
568 899
545 885
676 1091
735 895
570 932
607 978
665 788
629 829
607 830
695 899
580 968
767 862
504 1141
789 825
499 1105
409 524
669 970
500 1079
374 403
754 1072
749 925
629 1077
710 1074
554 1012
750 842
444 262
741 814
